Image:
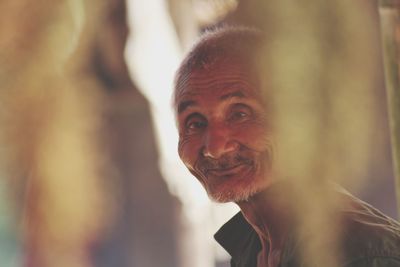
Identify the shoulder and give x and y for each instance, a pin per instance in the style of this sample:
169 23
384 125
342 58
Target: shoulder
375 262
369 238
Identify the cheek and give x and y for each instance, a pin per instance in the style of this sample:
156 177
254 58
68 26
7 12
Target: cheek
188 150
254 136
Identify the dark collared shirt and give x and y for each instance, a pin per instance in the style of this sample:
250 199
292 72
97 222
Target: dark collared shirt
370 239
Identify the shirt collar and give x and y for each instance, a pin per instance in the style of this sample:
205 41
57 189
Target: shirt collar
238 238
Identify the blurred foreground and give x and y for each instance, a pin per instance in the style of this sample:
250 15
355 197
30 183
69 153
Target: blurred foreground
79 162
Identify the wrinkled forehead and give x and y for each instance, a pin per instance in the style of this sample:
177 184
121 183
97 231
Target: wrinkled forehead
217 75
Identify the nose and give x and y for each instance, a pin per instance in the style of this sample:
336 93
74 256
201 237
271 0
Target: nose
218 142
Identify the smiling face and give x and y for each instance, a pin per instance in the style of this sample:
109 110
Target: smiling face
224 138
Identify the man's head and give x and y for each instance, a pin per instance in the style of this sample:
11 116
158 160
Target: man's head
224 137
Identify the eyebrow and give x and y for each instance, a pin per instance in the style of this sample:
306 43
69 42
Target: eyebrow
231 95
185 104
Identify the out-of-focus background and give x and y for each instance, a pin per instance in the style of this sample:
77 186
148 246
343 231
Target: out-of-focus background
89 172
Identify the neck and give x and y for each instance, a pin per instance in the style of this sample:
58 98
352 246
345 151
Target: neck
269 213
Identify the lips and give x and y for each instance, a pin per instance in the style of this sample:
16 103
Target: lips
236 164
229 171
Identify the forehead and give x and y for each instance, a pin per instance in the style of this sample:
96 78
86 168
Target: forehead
217 80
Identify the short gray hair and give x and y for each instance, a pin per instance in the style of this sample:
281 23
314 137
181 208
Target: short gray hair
221 44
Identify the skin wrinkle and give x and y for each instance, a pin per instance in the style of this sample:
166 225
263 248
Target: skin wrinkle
270 220
185 78
215 85
204 165
188 91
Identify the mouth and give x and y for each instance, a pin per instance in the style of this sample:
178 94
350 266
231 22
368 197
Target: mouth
229 171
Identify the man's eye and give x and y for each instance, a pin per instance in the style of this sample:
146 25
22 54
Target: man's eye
240 113
195 123
238 116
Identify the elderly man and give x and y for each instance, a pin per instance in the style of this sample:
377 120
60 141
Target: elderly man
225 140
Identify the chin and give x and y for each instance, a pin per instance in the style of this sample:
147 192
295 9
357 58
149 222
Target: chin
239 192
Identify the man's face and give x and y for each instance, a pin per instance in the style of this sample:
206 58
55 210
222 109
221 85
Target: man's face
223 133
